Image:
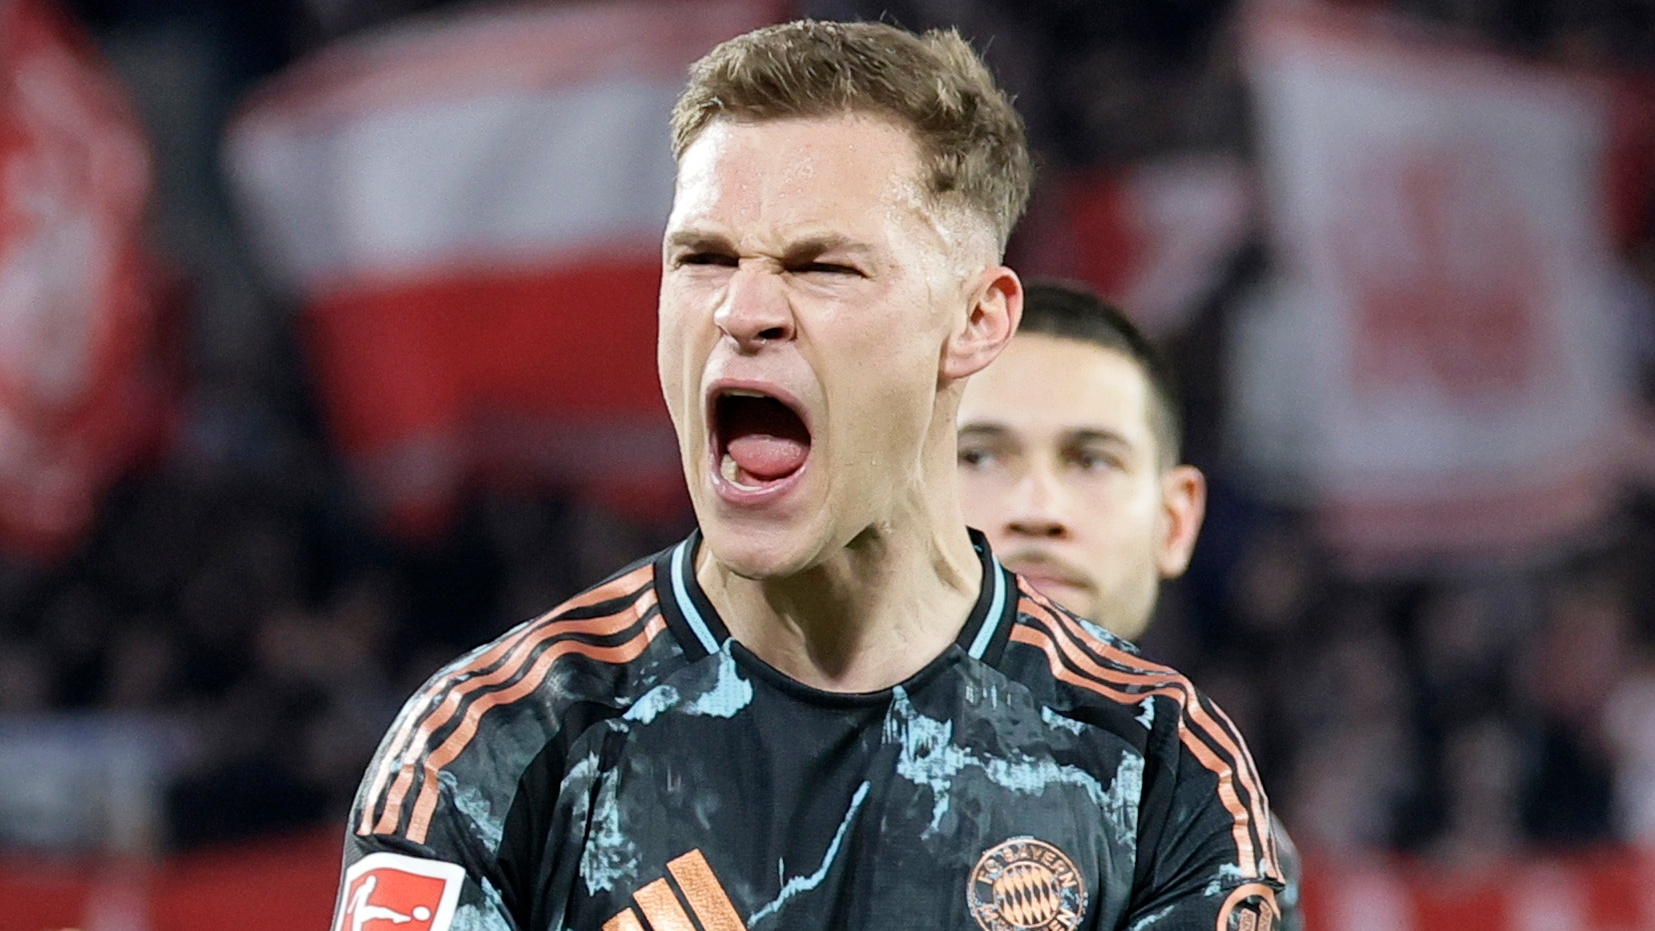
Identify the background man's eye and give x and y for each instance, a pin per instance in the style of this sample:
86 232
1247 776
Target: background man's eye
1093 462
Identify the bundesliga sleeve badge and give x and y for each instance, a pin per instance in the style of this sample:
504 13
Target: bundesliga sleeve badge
385 891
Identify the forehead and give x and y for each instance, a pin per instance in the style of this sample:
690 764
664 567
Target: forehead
794 171
1042 386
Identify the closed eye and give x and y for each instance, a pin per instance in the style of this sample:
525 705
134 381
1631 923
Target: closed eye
705 258
826 255
826 268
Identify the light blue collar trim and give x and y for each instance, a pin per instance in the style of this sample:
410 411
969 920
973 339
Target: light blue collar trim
681 591
991 623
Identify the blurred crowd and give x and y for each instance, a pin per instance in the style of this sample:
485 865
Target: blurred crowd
1471 716
236 583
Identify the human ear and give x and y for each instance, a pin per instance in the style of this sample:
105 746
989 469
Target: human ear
996 307
1183 505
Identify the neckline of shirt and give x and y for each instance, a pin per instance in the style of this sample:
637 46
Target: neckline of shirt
702 632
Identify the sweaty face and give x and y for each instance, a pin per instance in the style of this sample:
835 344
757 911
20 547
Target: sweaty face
1058 466
806 292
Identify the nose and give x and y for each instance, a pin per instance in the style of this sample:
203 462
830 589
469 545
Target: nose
1037 507
755 309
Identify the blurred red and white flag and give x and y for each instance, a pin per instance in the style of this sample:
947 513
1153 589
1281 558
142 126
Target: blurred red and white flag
1436 367
1156 237
469 209
81 391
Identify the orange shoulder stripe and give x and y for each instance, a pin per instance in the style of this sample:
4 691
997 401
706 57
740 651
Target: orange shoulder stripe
418 729
410 763
1051 612
1223 733
420 822
1266 836
1058 650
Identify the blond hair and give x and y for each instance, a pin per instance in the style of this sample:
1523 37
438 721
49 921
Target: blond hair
971 141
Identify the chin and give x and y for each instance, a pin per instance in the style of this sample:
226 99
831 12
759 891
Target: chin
1075 599
759 554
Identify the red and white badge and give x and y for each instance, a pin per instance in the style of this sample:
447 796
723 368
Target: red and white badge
385 891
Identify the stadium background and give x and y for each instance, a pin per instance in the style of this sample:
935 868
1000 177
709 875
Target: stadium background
326 351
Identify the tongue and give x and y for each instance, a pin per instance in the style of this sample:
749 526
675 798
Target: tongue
767 457
764 440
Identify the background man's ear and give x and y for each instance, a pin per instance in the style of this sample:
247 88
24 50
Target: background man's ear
1183 505
996 307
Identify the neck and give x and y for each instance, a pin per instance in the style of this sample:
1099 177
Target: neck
864 620
874 611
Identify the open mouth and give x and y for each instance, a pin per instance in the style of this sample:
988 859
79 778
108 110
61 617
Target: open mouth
760 439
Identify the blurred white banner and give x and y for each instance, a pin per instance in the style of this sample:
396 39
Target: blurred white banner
1435 367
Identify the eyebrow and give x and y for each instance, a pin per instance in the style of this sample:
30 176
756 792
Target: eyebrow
803 250
1095 435
815 246
994 431
697 240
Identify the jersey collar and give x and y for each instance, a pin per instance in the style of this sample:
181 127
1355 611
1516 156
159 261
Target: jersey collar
701 632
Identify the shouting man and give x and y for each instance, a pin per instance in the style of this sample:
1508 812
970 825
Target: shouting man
830 707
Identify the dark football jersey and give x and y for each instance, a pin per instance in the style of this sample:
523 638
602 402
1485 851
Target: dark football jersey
623 764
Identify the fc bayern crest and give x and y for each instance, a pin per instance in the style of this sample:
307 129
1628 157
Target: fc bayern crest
1026 885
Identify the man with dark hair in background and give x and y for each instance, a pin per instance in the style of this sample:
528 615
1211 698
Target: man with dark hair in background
830 707
1070 452
1070 460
